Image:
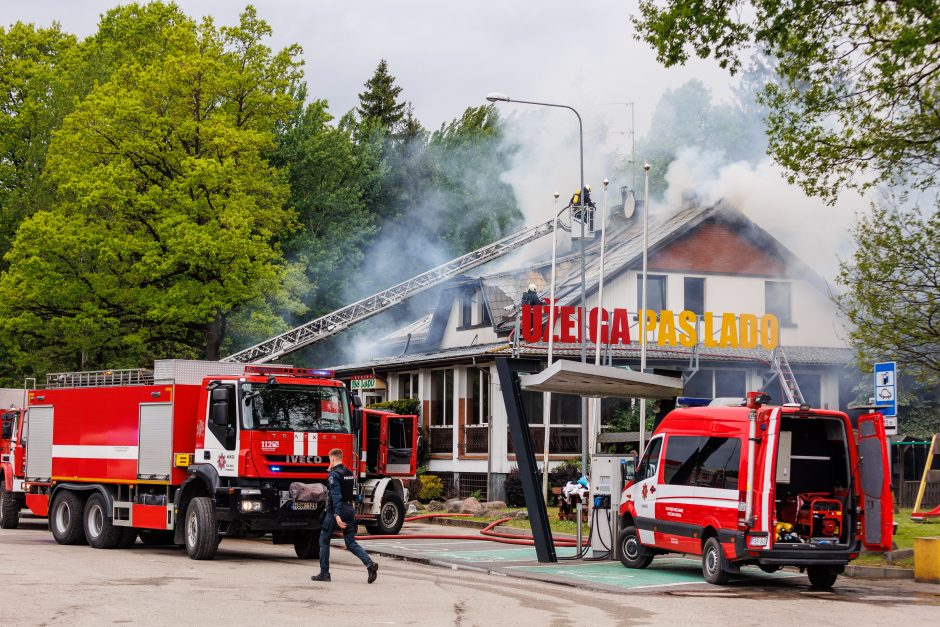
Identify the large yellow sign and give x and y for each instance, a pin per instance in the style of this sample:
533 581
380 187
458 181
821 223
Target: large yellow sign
727 330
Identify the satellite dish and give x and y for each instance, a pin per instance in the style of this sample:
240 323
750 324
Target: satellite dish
629 205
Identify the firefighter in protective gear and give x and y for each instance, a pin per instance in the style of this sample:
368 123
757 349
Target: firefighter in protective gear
531 297
340 514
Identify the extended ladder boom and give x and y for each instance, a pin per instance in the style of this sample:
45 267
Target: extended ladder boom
334 322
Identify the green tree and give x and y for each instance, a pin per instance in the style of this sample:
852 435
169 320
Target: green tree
29 58
329 175
856 103
168 213
892 290
379 106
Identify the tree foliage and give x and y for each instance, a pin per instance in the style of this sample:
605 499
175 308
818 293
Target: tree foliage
892 284
167 213
857 99
379 106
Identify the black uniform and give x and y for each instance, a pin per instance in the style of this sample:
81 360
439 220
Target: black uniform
340 483
531 297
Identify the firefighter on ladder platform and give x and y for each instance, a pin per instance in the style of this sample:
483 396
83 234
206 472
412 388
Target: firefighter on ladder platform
580 200
341 515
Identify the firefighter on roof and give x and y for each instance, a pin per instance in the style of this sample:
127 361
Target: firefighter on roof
531 297
341 515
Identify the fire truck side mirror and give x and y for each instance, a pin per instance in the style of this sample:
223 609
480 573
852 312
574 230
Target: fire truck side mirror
357 420
221 398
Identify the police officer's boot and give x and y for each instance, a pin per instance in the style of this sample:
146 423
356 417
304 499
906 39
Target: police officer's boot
321 577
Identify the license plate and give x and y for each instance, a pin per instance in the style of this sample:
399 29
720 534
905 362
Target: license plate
303 505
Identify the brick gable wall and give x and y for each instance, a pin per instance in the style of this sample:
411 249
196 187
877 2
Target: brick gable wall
715 247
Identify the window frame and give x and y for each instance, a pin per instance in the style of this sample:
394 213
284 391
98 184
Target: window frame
787 319
686 281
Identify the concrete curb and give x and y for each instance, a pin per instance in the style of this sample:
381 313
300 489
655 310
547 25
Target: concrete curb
878 572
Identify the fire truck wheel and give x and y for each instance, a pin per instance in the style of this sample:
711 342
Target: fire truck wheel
202 538
9 508
711 563
99 529
307 545
821 577
391 516
632 554
65 518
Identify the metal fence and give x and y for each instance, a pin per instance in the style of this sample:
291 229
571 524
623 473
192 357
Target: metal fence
442 439
476 439
465 484
562 439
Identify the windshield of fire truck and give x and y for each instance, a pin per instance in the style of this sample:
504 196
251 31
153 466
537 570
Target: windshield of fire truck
280 407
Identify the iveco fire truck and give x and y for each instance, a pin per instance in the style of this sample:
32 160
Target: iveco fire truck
771 486
195 451
12 463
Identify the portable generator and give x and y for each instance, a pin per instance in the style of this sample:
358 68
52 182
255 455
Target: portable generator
820 518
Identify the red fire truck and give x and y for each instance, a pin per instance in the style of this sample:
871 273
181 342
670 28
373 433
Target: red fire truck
771 486
12 462
195 451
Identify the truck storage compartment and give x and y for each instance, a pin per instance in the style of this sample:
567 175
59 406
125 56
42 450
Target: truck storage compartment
812 482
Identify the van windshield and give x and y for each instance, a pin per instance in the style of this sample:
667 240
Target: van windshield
281 407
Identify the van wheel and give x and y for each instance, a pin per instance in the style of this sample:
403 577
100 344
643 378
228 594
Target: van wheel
307 545
202 537
391 516
632 553
821 577
99 528
711 563
65 519
9 508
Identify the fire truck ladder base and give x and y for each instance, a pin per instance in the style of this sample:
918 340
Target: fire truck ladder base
332 323
99 378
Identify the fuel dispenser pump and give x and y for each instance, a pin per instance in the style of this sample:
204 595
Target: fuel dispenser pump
609 473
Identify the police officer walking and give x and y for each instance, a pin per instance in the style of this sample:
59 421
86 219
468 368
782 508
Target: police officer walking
341 515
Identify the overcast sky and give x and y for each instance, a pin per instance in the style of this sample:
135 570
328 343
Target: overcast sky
448 55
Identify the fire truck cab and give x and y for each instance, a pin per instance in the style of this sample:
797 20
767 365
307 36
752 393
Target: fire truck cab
196 451
12 462
762 485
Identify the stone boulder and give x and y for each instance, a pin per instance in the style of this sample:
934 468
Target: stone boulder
471 506
493 505
418 506
435 506
452 506
521 515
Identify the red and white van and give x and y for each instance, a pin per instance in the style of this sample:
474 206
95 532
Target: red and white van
771 486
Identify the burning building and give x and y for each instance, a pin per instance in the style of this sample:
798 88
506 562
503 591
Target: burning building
729 309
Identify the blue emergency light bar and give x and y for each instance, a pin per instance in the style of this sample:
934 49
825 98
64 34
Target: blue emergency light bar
286 370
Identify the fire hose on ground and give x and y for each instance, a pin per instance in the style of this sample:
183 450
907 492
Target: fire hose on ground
486 533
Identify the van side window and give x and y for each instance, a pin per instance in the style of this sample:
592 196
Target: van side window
682 454
720 459
650 463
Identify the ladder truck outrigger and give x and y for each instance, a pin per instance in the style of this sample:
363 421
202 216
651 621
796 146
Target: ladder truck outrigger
195 451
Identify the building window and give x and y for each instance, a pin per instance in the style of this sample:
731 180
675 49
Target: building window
777 300
466 309
408 385
695 295
717 384
478 389
655 292
442 397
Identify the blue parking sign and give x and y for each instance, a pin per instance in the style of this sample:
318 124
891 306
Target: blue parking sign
886 388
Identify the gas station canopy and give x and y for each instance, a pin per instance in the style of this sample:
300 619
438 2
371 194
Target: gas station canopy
574 377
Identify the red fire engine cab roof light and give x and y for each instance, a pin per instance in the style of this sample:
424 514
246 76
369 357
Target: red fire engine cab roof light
286 370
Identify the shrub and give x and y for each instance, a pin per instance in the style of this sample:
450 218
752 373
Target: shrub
403 406
513 486
431 487
568 470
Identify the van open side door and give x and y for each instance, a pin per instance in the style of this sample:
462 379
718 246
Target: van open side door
875 482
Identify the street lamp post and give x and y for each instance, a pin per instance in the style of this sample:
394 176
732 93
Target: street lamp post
646 223
599 320
498 97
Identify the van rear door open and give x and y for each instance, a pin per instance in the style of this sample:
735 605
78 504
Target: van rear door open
875 483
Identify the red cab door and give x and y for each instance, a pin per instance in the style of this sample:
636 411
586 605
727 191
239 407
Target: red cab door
875 482
398 451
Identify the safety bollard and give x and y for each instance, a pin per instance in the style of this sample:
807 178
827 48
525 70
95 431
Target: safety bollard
927 560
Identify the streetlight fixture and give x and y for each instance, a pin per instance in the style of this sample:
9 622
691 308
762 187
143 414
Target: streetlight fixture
496 96
646 225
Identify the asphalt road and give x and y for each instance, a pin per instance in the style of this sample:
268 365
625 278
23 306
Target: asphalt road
253 582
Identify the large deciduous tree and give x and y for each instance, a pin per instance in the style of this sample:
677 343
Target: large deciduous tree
892 293
858 101
167 214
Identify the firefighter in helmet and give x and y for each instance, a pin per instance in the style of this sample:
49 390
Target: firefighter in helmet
531 297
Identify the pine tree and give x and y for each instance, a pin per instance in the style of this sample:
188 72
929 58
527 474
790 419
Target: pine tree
379 104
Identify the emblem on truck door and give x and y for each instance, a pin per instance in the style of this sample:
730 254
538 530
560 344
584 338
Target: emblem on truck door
221 462
645 491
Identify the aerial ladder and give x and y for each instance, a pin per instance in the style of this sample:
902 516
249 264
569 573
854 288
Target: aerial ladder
332 323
